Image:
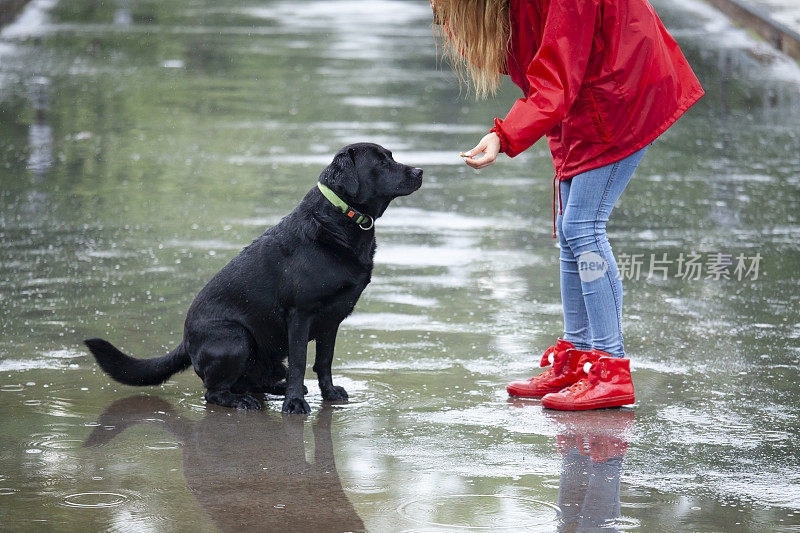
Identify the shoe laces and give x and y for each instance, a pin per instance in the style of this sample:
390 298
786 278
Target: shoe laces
544 375
579 386
591 379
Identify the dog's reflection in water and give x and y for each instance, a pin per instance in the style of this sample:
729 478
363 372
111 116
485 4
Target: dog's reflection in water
592 446
248 469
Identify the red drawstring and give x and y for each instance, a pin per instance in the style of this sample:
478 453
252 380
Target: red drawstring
560 212
554 206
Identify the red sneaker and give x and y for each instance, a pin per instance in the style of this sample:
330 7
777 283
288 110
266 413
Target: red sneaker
564 372
607 384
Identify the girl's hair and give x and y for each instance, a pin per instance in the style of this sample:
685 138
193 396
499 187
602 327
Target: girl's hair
475 36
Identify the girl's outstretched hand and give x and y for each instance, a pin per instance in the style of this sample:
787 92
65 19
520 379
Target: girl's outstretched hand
489 147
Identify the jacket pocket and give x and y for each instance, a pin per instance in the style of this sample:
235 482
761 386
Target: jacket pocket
585 119
600 124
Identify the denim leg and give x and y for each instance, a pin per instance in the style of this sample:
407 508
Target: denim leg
592 196
576 321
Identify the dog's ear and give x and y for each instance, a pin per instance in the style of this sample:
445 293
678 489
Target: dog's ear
341 174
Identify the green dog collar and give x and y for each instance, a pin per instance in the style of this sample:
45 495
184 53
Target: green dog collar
353 214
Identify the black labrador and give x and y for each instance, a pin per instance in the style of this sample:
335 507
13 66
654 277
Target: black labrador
293 284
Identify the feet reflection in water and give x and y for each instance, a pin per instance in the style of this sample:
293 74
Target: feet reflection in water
248 469
592 446
40 133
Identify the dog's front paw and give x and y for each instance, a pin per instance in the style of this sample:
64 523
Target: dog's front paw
296 406
247 402
335 394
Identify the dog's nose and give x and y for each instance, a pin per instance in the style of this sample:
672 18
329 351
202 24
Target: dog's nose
417 172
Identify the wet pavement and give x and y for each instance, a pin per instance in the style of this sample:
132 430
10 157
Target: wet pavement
142 144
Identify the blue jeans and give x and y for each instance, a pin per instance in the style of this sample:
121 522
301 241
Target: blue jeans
591 289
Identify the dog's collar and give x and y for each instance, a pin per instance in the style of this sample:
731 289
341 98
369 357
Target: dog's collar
356 216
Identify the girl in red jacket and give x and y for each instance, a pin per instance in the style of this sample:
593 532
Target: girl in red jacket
602 79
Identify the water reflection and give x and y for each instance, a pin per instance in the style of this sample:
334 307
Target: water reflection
592 446
248 470
123 15
40 133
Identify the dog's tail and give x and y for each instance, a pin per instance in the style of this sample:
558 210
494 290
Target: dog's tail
132 371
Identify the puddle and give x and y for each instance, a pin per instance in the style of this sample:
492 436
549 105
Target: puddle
142 145
481 512
158 446
94 500
66 444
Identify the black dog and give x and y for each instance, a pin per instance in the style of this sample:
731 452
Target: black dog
293 284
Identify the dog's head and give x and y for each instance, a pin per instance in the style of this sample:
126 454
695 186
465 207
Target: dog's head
365 176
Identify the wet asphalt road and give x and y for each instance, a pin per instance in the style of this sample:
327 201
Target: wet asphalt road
143 144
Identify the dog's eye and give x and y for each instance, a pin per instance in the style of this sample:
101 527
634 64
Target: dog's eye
382 163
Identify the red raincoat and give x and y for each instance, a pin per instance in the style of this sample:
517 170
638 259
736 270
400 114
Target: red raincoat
602 80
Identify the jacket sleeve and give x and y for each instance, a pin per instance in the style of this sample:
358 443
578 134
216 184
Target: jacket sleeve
555 74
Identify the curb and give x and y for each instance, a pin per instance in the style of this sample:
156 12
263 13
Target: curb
778 35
